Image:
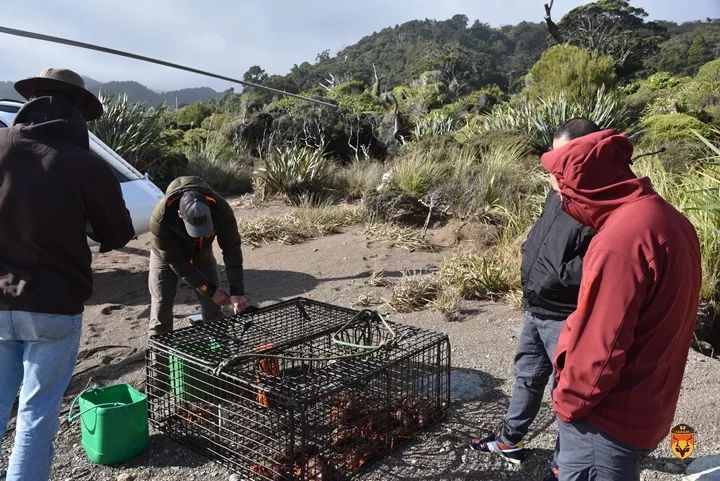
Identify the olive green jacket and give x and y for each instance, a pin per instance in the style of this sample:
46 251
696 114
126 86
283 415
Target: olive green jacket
173 244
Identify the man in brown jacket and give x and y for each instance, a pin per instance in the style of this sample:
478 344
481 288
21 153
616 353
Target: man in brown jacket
52 190
184 225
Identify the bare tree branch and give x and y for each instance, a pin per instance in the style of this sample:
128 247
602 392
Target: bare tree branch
552 28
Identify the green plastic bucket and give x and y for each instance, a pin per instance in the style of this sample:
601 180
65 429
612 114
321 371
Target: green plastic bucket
190 382
114 423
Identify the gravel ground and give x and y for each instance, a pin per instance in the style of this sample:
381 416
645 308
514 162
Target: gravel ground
333 269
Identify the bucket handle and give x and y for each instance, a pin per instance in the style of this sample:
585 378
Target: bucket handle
71 418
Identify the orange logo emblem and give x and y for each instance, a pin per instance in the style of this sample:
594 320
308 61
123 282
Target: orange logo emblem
682 441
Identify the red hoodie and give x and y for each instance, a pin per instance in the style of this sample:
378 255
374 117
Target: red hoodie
621 355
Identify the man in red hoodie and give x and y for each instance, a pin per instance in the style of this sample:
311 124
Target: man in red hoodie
621 355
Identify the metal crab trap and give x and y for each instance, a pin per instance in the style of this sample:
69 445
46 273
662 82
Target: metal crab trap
300 390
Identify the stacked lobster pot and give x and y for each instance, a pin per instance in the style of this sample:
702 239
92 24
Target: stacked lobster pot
299 390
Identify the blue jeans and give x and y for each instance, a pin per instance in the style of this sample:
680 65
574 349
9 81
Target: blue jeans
533 368
39 352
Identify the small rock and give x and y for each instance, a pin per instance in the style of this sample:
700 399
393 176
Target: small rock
234 477
125 477
672 468
316 250
464 458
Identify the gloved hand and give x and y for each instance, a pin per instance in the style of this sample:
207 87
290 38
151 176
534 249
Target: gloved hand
238 303
220 297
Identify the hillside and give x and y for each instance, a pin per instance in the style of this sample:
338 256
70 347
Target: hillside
136 93
466 55
474 55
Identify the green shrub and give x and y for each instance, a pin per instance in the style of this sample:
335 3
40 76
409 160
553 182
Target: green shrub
572 71
300 173
476 276
699 96
131 130
418 173
194 114
217 161
418 100
434 125
669 128
473 103
541 117
710 72
695 192
492 182
355 97
643 93
485 139
359 177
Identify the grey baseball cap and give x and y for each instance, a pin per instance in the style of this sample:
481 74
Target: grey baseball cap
196 214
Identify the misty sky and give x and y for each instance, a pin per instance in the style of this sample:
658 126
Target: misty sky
226 37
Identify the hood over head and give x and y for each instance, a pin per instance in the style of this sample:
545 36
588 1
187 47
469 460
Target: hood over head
52 117
594 175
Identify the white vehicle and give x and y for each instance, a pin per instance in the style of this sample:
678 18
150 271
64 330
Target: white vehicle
140 194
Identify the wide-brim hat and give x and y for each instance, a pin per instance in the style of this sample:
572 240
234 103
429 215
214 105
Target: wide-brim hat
67 81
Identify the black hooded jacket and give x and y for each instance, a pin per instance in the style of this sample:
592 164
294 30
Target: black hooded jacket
51 188
551 267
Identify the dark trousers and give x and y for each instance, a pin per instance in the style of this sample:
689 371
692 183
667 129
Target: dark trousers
533 369
163 282
586 454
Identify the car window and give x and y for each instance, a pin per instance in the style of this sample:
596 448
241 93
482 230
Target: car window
2 124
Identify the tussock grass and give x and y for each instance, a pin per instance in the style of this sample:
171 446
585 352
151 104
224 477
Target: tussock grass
359 177
476 276
419 172
296 227
695 193
449 304
414 291
378 279
399 236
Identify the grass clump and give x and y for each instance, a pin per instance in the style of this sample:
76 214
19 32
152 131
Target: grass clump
307 222
359 177
399 236
299 173
414 291
477 276
419 173
449 303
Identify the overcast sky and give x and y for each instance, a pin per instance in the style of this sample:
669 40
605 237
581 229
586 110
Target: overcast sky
226 37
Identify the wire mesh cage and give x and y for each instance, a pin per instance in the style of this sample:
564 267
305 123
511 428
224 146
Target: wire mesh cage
300 390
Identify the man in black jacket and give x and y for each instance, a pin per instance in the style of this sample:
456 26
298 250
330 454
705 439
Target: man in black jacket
52 188
551 270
